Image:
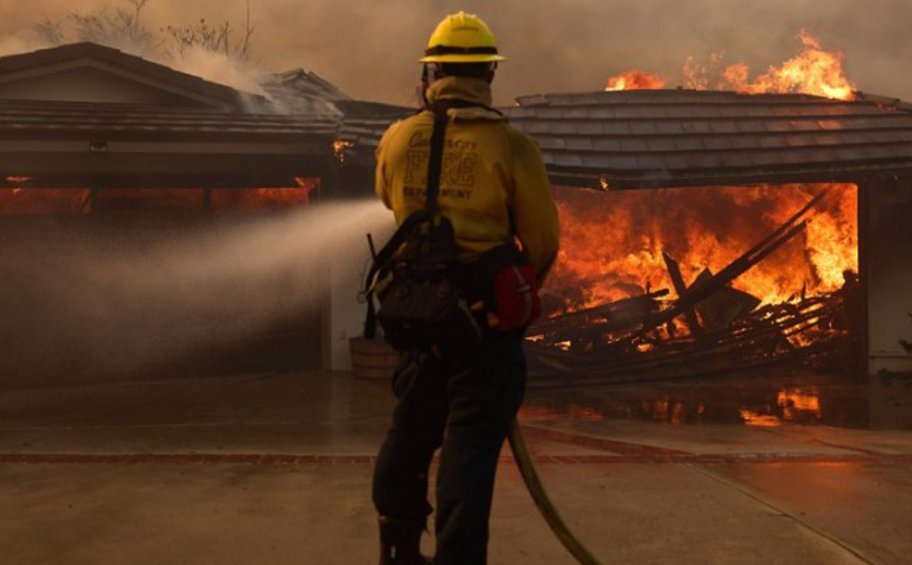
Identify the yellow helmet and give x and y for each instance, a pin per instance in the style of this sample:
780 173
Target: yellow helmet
462 38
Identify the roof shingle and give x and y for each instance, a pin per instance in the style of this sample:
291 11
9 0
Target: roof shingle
654 138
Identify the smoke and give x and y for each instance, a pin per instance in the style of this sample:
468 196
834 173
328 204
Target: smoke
148 39
121 298
369 49
217 67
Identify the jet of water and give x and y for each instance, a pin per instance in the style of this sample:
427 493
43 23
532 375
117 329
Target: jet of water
123 302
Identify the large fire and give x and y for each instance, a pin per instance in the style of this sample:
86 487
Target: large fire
635 79
811 71
612 243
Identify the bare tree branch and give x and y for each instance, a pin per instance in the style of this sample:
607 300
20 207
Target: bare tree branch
123 25
217 37
248 35
50 31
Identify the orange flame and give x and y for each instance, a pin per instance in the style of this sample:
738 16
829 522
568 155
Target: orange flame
339 149
634 79
612 243
811 71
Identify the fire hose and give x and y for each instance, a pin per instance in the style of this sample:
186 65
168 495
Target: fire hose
543 502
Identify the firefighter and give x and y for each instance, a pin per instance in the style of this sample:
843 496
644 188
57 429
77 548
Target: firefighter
495 191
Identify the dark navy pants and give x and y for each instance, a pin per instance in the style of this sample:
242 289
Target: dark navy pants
465 412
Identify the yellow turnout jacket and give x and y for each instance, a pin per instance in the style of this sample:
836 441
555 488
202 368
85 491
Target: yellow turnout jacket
493 184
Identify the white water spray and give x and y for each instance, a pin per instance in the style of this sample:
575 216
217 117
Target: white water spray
129 305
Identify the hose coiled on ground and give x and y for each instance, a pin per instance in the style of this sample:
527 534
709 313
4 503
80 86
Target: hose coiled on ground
544 504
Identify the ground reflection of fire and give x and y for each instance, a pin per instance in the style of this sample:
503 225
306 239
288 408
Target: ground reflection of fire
612 243
752 418
793 405
753 405
538 413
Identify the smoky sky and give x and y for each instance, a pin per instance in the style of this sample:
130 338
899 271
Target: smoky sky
369 49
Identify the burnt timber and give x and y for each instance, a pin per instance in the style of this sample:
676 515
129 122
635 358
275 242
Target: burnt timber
597 345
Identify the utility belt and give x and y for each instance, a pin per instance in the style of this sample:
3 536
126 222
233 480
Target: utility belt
432 305
426 299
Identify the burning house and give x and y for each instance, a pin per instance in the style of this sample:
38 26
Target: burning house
771 232
767 199
721 231
703 230
98 140
90 117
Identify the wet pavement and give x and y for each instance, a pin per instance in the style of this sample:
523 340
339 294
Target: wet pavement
275 468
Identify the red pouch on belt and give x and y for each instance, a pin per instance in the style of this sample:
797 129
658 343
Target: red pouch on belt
516 301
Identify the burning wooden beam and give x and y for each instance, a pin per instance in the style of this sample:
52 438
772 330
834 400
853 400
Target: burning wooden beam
739 266
601 344
690 316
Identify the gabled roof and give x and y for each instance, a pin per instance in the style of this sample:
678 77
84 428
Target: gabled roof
124 65
197 134
81 144
658 138
27 119
302 92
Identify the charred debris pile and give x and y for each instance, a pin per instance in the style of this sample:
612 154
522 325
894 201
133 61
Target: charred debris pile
704 329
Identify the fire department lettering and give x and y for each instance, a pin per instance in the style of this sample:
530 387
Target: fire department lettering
419 192
422 139
458 170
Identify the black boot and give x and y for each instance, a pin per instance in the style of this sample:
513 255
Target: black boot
400 542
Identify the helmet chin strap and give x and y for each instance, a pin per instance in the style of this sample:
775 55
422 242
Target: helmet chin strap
425 83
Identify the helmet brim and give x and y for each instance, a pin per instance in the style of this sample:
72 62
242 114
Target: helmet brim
454 58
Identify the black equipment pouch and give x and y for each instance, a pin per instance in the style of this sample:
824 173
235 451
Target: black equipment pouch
415 276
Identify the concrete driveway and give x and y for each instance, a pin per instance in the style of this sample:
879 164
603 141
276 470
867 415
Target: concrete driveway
276 468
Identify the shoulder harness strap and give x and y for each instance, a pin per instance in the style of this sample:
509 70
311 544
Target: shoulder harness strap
435 165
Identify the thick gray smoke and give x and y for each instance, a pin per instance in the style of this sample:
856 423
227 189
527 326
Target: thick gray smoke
123 298
369 48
